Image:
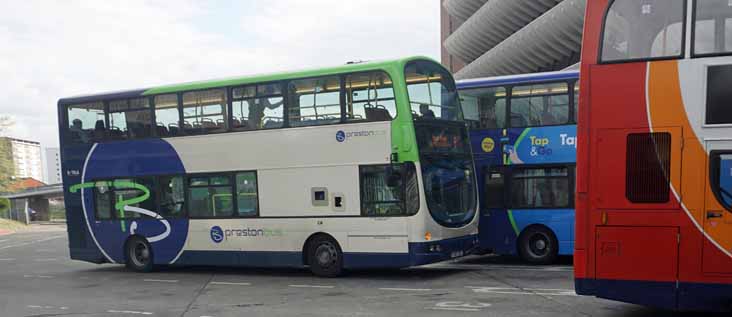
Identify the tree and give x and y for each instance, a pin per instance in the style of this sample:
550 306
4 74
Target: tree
7 169
4 207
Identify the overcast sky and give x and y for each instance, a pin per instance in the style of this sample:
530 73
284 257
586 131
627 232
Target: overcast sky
55 49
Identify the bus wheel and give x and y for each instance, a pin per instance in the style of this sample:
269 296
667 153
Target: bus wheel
139 254
325 257
538 245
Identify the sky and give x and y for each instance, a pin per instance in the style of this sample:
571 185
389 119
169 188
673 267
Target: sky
55 49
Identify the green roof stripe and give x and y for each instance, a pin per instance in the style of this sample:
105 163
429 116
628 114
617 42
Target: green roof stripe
389 65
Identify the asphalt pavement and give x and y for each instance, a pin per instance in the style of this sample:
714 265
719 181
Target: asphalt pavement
37 278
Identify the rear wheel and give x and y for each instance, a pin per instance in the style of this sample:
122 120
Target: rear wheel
538 245
139 254
325 257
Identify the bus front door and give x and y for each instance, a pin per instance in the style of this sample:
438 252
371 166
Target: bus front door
717 250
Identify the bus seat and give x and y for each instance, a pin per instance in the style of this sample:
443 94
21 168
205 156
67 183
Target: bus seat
518 121
377 113
173 129
161 130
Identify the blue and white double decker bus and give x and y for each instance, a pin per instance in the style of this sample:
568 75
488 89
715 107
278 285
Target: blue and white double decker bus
523 135
362 165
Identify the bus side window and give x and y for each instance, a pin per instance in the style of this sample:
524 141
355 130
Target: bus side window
314 101
257 107
167 116
172 196
389 190
130 119
204 111
540 187
246 193
210 197
86 122
539 105
494 188
102 201
719 96
369 97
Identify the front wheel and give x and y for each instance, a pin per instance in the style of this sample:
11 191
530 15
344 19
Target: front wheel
139 254
538 245
325 257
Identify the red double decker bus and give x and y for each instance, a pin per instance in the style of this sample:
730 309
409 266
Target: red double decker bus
654 161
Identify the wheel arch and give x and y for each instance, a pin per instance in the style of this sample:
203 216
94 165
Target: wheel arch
527 228
306 245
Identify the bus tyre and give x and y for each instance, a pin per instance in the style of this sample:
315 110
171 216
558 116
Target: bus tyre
325 257
538 245
139 254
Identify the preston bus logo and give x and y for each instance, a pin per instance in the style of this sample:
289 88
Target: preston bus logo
217 235
340 136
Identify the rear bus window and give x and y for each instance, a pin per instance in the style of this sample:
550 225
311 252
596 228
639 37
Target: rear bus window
712 27
641 30
86 122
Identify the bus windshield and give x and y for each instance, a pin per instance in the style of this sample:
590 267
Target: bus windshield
447 171
432 92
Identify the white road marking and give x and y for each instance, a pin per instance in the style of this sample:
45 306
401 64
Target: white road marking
483 267
453 308
32 242
45 260
160 281
3 240
38 276
460 306
522 291
8 259
311 286
131 312
47 307
231 283
405 289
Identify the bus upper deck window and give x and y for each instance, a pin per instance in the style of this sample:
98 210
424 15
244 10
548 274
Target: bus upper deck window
638 30
86 122
712 27
369 97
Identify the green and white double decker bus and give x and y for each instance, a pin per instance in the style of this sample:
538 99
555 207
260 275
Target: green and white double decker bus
356 166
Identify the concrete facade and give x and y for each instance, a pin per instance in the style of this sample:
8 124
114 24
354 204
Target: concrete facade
52 171
484 38
26 158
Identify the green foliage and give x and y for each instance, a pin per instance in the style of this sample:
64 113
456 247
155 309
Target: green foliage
4 207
